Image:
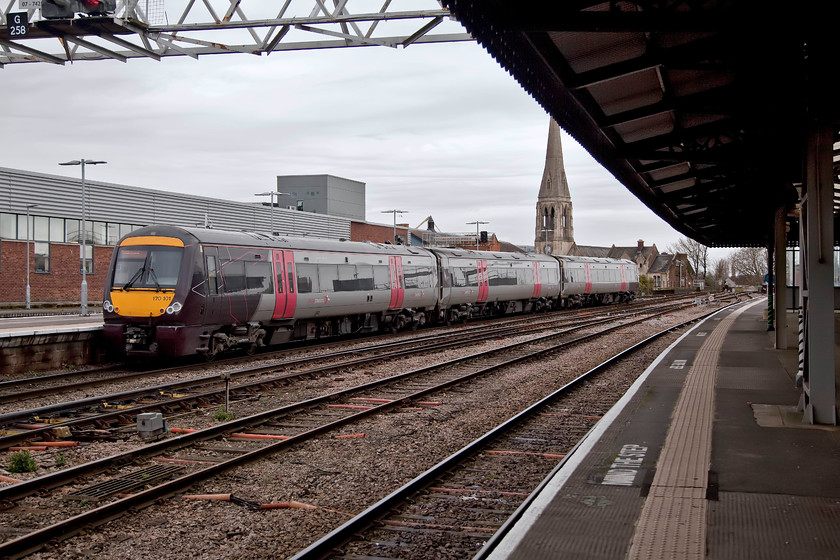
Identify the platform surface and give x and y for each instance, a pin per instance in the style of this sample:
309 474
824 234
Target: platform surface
48 324
706 457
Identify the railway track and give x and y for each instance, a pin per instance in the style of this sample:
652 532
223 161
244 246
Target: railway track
15 390
339 410
90 416
466 503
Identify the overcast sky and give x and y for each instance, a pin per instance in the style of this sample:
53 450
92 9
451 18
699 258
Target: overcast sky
436 130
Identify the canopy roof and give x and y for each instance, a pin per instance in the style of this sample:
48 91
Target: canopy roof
700 108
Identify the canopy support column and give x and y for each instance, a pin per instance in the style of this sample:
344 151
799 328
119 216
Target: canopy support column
780 285
819 400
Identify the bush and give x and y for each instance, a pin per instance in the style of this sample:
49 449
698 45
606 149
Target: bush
222 415
22 461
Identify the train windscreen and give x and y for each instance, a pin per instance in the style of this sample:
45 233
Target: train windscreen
147 266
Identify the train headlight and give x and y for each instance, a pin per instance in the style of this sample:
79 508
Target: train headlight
174 308
107 306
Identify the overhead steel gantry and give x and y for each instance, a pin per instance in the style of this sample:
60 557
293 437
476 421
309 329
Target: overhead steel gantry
155 29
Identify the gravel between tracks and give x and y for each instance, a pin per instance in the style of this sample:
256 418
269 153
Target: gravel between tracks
341 477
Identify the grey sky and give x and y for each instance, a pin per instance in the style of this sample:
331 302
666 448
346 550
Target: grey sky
435 130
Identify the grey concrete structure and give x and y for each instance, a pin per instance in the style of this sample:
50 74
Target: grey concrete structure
323 194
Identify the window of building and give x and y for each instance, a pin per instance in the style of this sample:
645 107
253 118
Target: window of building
72 231
22 232
8 226
112 234
88 260
42 256
57 230
99 233
40 228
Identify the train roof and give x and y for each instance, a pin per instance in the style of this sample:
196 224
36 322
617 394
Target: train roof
191 236
594 260
488 255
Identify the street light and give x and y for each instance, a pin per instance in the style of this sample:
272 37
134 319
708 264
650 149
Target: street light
477 223
83 247
395 212
28 207
272 194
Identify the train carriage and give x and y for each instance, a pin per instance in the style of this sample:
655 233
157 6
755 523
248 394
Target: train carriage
477 283
597 281
177 291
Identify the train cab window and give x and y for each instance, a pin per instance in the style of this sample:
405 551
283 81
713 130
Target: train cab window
147 266
212 276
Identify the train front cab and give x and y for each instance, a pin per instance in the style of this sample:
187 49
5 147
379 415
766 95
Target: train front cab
147 301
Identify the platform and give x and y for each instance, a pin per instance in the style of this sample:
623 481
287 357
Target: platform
704 457
36 343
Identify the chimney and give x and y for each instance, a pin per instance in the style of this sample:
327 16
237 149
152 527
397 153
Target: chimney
641 245
431 225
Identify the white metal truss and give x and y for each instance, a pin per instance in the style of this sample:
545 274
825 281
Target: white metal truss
161 28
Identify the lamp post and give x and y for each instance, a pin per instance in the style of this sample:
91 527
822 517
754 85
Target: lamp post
83 247
395 212
28 207
477 224
271 194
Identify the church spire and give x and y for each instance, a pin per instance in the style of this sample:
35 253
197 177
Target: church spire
554 232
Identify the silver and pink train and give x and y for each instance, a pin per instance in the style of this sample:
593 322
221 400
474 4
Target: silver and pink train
178 291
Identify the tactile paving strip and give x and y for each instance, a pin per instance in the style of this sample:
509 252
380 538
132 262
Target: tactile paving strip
673 520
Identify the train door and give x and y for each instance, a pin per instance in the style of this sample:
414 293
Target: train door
483 282
537 283
213 292
587 274
285 293
397 284
623 269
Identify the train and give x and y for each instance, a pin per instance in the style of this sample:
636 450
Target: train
174 291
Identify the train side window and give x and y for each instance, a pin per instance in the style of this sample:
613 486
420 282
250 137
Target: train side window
425 276
410 277
328 276
347 278
381 278
212 276
364 275
233 274
291 283
307 278
258 278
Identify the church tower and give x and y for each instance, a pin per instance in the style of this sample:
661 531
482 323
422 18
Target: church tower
554 233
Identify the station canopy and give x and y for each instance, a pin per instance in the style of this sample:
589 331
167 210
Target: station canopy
700 108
